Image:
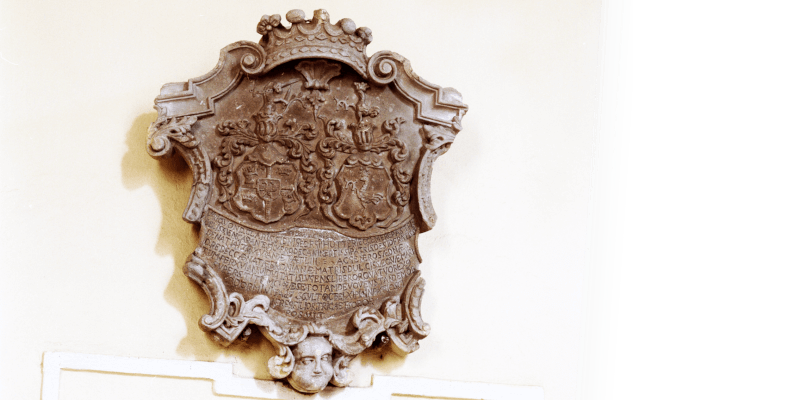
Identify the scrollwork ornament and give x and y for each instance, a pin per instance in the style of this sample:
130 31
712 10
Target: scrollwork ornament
253 58
281 364
412 299
311 165
165 130
198 270
167 133
382 67
342 376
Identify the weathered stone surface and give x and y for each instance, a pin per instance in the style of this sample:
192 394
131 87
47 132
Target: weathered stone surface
311 166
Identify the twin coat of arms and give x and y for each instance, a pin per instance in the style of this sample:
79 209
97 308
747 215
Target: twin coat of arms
311 166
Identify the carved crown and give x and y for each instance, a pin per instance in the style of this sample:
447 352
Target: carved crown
316 37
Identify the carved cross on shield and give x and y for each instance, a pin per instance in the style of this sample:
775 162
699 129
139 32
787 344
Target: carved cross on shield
311 165
269 189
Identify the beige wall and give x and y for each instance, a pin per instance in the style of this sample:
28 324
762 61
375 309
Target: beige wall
91 237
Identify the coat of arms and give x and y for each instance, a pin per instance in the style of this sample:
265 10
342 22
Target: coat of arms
311 166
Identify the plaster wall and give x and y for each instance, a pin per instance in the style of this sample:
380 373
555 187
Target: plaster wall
91 237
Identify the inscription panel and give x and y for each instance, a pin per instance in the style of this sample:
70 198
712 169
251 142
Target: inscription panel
309 273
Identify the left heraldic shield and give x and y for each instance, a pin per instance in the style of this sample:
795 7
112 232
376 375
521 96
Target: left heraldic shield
311 164
267 185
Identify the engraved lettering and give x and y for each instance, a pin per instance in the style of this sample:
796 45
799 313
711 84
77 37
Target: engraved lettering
310 273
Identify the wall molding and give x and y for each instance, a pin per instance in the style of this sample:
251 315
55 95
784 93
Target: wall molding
228 384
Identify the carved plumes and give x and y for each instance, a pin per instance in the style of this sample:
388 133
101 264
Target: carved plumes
270 94
318 73
360 108
178 104
338 140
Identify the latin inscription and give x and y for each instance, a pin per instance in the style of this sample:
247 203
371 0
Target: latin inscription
309 273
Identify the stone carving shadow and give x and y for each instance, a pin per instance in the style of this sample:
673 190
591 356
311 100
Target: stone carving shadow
382 360
171 181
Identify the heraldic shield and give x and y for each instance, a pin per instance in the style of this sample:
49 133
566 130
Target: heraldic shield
311 166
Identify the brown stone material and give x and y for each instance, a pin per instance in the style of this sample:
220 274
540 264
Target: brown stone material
311 166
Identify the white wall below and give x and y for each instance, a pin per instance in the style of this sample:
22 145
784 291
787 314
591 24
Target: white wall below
72 375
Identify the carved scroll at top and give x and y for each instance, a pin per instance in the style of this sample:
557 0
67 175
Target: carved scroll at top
312 166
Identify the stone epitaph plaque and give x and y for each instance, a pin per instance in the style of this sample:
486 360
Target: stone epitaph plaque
311 165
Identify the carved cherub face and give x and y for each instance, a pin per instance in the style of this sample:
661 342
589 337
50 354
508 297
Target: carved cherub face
313 368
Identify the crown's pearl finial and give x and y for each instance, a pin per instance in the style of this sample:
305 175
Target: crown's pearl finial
296 16
347 25
365 34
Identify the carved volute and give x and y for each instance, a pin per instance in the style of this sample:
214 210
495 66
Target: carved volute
311 165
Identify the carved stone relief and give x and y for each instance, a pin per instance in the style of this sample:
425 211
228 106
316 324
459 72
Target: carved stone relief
311 165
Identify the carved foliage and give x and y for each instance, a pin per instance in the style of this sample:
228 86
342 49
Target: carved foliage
399 319
279 162
363 184
321 151
269 185
318 73
164 129
404 324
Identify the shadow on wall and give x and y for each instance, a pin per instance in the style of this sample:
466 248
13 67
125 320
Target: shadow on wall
171 181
